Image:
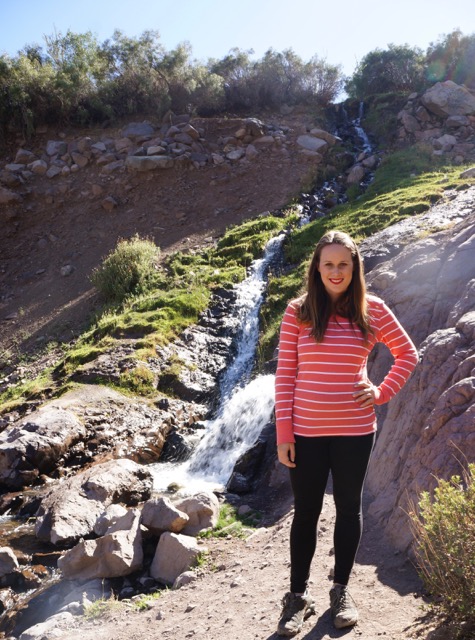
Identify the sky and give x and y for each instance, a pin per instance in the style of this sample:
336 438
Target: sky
341 31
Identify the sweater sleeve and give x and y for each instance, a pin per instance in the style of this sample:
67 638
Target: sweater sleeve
286 375
391 333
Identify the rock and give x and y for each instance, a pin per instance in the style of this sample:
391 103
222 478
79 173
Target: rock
449 99
79 159
202 510
251 152
324 135
33 446
254 127
445 142
356 174
14 168
264 141
109 203
159 514
66 270
433 414
50 628
8 561
138 130
109 517
469 173
7 196
156 150
10 179
175 554
53 171
191 131
118 553
98 147
409 122
312 143
24 157
123 144
148 163
187 577
71 510
113 166
235 155
56 147
454 122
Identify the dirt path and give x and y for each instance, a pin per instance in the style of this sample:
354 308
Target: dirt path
238 595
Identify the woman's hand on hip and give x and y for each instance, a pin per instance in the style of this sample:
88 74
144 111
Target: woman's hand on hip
366 393
286 454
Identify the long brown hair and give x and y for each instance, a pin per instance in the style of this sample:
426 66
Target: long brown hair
316 306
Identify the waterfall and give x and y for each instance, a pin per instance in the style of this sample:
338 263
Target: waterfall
246 406
361 132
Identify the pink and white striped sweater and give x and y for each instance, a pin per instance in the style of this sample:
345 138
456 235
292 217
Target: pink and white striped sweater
314 382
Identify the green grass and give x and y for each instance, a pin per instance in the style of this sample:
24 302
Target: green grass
230 523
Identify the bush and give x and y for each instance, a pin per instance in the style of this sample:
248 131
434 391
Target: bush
130 269
444 529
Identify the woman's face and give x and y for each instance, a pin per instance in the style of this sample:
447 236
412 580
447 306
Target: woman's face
336 269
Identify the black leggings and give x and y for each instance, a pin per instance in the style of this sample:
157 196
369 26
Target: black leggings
347 458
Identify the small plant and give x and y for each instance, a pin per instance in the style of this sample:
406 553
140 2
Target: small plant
101 607
129 269
139 380
444 530
230 523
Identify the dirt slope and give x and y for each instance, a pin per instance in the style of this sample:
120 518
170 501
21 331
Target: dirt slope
62 223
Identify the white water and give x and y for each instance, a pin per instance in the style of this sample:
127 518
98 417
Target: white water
361 132
245 408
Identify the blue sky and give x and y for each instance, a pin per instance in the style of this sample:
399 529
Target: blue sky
341 31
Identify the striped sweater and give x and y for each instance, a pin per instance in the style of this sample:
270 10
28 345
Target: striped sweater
314 383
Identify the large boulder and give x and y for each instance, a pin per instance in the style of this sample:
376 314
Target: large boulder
71 509
428 427
34 445
449 99
117 553
312 143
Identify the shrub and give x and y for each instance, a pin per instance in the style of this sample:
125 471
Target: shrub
444 530
129 269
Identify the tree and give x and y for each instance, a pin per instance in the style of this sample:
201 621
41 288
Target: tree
396 69
452 57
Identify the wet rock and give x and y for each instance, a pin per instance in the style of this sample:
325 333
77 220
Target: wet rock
8 561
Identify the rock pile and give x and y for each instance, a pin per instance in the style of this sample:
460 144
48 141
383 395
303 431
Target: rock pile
443 117
179 142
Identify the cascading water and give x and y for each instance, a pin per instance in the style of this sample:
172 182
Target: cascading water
367 148
245 406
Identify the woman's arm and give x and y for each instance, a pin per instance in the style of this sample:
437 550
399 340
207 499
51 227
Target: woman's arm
286 376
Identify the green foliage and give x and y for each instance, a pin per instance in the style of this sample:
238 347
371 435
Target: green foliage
444 530
101 607
395 69
452 57
230 523
139 380
130 268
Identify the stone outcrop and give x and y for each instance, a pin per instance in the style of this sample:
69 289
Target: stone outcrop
444 117
428 429
70 510
159 515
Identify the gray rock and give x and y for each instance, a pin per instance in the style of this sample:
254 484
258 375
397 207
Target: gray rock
356 174
71 509
449 99
8 561
202 510
50 628
24 157
53 171
34 445
7 196
175 554
148 163
109 517
56 147
159 514
117 553
311 143
137 130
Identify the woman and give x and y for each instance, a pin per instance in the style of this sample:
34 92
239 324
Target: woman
325 416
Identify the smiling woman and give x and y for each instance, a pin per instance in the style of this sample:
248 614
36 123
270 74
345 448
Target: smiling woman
325 415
